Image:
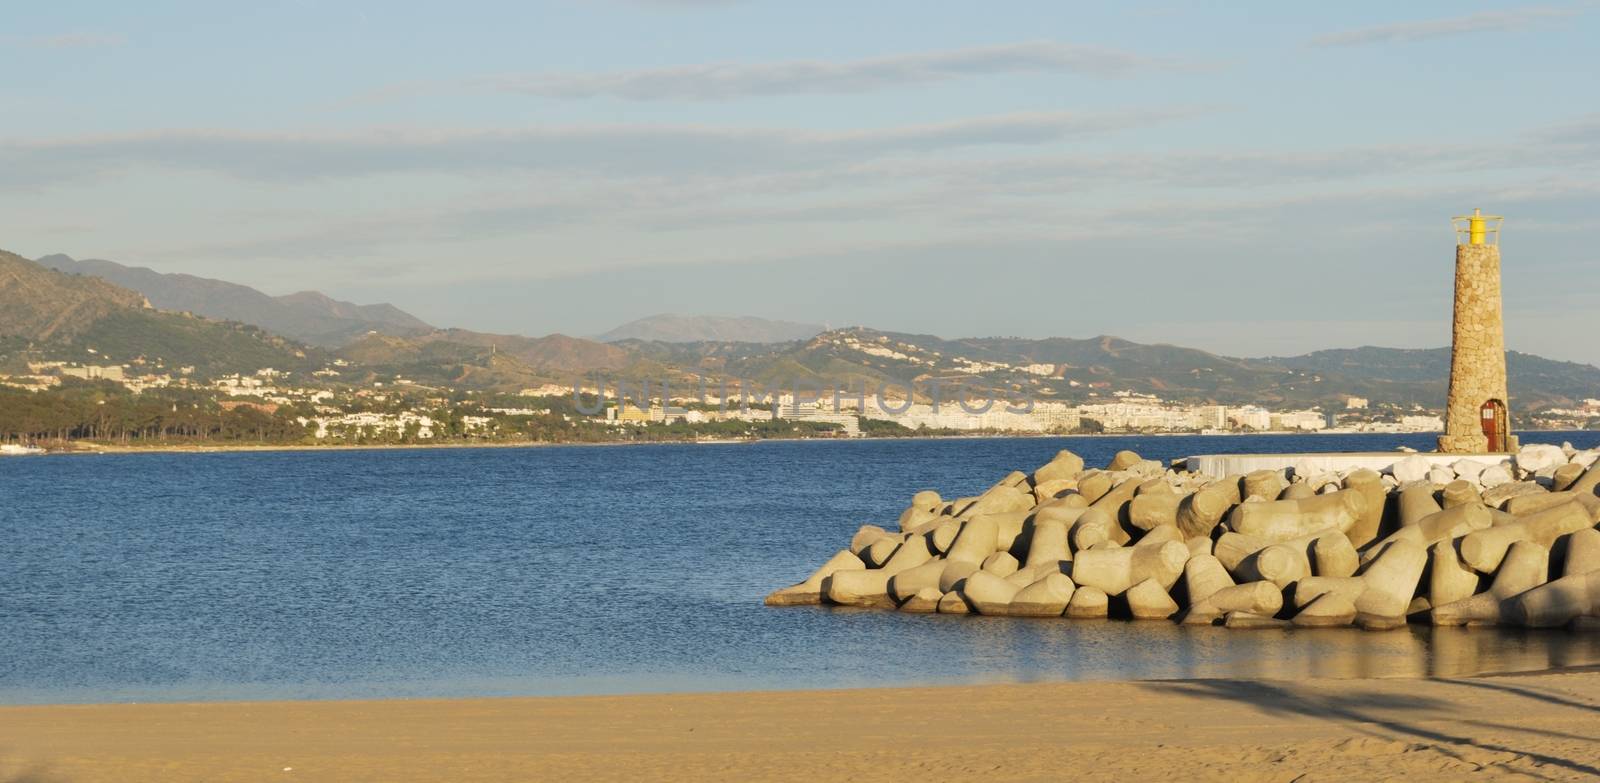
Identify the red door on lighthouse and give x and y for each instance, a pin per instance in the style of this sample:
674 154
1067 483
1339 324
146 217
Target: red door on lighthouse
1490 415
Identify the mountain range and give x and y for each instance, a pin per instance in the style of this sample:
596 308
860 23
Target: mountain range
674 328
48 314
125 312
307 316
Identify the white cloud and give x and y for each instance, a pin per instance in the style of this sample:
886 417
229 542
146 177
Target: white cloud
632 150
726 81
1410 32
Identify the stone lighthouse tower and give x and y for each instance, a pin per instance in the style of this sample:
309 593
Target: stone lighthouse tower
1476 419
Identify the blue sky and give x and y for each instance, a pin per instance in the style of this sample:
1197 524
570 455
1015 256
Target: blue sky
1261 178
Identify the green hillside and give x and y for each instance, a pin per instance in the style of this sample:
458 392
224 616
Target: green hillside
47 314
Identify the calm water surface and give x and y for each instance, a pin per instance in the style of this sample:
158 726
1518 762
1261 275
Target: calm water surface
462 572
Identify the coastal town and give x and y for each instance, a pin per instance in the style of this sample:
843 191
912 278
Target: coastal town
323 407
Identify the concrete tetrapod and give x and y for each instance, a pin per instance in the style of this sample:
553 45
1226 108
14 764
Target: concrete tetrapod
1047 597
1233 549
1523 505
1459 493
809 591
1391 579
952 603
881 550
1114 504
1583 553
1088 603
1008 528
976 540
999 499
1199 513
1161 534
1370 485
1416 503
1497 496
1251 621
1438 526
1154 506
988 594
1124 460
908 583
859 588
1280 564
1001 564
1267 484
1057 489
1263 598
871 587
864 537
954 573
1063 466
1310 588
1565 476
1094 484
1328 610
1482 550
913 518
1525 568
1557 602
926 601
925 505
943 535
1115 570
1449 580
1148 600
1589 482
1281 520
1333 554
1048 544
1092 527
1203 576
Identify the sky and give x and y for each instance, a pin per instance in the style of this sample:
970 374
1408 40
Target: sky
1252 178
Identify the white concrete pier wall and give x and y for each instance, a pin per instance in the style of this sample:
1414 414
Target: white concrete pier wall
1311 464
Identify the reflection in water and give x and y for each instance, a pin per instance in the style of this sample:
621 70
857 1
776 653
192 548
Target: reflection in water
993 649
1029 650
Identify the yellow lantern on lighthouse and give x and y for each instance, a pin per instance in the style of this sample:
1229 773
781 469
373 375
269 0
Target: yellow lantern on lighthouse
1477 228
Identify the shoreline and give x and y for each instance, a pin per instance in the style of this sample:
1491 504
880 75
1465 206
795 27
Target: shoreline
95 448
859 690
1536 725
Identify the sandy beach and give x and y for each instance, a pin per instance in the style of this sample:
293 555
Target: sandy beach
1536 727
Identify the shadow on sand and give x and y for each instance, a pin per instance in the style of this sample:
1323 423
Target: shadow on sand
1392 717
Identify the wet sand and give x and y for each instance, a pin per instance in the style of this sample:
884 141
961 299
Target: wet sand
1534 727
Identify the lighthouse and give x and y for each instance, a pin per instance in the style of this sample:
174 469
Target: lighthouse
1476 418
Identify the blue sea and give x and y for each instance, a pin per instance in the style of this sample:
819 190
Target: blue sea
575 570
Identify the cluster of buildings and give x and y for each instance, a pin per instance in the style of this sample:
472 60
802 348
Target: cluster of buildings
48 375
885 348
369 424
1124 412
1577 417
331 409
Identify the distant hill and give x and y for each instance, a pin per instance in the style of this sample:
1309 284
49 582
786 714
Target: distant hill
671 328
52 314
1534 380
71 313
457 357
1089 370
306 316
42 304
